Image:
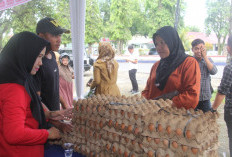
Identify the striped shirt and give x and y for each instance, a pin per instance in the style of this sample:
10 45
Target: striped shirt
205 93
226 84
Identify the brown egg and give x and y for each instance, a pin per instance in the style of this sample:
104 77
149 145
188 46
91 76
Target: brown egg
126 139
167 155
115 112
133 142
94 109
157 140
125 154
119 151
130 128
110 123
151 127
165 142
194 150
101 124
128 114
122 126
150 153
88 109
82 108
136 131
114 149
132 155
148 139
136 116
169 130
108 146
95 124
110 111
178 131
116 125
99 136
184 148
160 128
77 108
122 112
114 135
158 155
99 108
174 144
188 134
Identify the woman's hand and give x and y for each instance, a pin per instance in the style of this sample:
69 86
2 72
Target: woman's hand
60 114
53 133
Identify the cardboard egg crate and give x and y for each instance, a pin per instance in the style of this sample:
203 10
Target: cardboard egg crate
133 126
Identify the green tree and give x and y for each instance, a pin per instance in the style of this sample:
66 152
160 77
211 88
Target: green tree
193 29
139 19
185 40
160 13
62 15
105 14
25 17
218 20
93 24
120 22
5 23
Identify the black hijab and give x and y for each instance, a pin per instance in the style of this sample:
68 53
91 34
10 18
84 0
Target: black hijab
177 55
16 61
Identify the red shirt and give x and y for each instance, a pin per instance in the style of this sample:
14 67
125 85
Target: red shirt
186 79
19 133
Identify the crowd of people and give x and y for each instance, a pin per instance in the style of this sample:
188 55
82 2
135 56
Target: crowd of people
36 94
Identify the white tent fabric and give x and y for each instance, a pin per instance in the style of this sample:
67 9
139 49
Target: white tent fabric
77 11
6 4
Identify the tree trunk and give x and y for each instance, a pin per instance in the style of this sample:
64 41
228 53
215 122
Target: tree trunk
177 15
219 47
89 49
1 43
230 31
119 47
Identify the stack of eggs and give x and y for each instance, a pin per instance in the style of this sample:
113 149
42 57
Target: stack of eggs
133 126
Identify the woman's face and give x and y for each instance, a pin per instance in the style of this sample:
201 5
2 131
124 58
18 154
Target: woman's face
38 62
65 61
161 47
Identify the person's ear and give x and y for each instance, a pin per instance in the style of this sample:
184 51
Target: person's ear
41 35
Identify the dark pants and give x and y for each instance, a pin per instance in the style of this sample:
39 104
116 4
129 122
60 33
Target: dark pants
228 120
205 106
132 75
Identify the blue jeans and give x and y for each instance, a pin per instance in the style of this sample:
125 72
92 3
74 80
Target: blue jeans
205 106
228 120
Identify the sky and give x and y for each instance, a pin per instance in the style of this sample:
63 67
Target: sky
195 13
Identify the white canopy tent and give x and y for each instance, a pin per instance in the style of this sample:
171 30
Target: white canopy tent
77 11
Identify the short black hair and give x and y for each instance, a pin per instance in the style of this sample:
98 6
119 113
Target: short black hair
197 42
229 41
130 47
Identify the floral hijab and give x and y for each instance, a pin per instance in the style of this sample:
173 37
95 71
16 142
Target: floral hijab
106 54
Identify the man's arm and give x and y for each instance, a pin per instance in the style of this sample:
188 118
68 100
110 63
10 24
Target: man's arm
218 100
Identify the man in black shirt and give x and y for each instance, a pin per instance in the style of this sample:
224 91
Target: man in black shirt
47 78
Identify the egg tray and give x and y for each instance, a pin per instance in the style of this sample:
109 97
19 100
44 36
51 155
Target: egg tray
123 122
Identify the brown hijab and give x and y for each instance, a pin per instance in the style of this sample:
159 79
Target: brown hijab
106 54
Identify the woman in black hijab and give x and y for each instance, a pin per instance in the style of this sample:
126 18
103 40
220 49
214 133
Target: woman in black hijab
176 74
21 113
